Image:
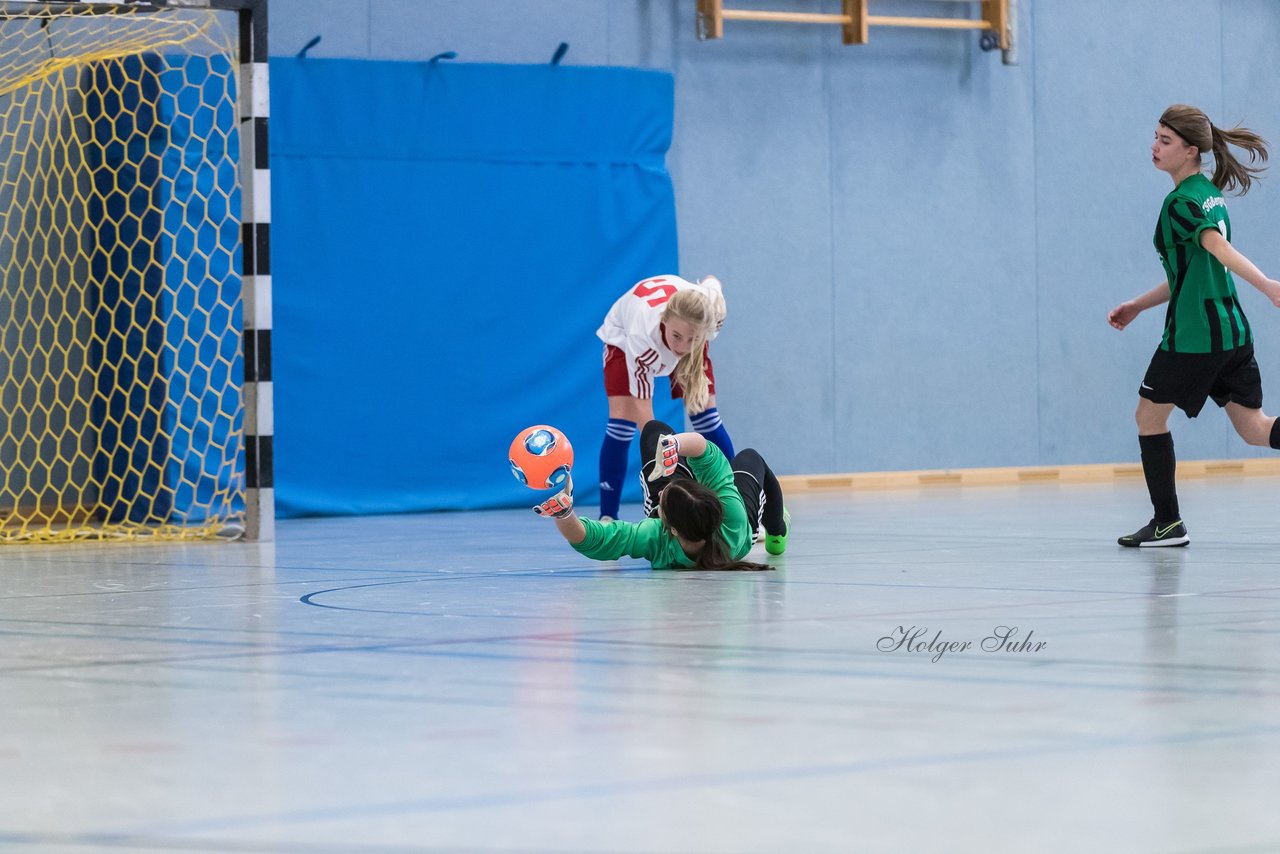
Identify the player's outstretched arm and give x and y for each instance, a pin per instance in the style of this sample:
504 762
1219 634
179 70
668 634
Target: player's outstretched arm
1123 314
1234 260
571 528
560 508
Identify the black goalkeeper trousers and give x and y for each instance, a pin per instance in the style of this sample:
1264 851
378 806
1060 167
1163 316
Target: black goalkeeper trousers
755 482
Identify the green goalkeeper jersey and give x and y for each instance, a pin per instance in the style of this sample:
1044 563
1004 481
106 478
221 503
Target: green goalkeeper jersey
652 541
1204 314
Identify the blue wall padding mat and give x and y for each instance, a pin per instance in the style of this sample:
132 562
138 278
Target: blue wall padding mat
202 244
167 411
446 239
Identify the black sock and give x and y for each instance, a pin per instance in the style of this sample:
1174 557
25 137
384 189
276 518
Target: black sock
774 520
1158 464
1275 434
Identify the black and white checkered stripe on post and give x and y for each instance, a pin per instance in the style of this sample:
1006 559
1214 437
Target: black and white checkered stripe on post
256 200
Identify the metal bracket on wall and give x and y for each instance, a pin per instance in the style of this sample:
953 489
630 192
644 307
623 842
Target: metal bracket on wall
855 19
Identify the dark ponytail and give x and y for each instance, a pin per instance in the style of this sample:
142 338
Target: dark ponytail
696 513
1194 127
1228 172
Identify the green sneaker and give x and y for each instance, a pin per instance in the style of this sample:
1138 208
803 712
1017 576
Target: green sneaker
777 544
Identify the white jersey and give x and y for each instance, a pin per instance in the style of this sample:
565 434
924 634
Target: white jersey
633 325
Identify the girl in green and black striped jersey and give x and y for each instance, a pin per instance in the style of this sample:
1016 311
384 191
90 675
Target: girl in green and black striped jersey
1207 347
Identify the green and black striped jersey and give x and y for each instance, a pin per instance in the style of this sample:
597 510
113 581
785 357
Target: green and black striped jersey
1204 314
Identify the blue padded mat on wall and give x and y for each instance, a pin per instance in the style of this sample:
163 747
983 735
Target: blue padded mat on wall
165 278
446 239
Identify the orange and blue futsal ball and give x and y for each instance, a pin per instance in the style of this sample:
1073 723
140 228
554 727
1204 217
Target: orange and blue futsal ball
541 457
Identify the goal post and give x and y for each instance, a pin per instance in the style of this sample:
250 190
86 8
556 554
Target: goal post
135 282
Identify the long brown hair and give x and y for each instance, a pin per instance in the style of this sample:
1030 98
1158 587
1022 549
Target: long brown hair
1194 127
695 512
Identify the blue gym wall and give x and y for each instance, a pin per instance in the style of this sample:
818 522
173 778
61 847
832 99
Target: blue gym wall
919 244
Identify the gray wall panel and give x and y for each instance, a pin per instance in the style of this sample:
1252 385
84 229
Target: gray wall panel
919 244
528 31
935 288
343 27
1101 85
752 122
1251 97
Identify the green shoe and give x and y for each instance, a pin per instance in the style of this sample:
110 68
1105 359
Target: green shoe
777 544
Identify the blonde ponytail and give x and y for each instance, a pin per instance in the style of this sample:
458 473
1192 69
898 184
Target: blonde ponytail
693 378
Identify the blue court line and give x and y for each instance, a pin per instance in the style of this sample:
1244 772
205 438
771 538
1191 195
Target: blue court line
246 585
1003 589
835 652
414 646
933 674
309 599
694 782
443 575
643 573
418 646
625 709
927 673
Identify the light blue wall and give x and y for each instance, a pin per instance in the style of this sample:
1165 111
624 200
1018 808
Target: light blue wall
919 244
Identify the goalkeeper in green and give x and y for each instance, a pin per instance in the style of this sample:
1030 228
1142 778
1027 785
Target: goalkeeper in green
703 512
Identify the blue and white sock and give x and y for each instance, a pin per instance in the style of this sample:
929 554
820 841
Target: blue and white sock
708 423
613 463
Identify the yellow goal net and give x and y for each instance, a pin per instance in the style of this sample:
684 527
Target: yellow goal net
121 318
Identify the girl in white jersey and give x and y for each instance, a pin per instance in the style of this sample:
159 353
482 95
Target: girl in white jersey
659 328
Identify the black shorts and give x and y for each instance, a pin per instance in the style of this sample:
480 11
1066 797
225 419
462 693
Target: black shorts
1188 379
749 476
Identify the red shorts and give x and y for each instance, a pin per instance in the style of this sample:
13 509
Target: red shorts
617 381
